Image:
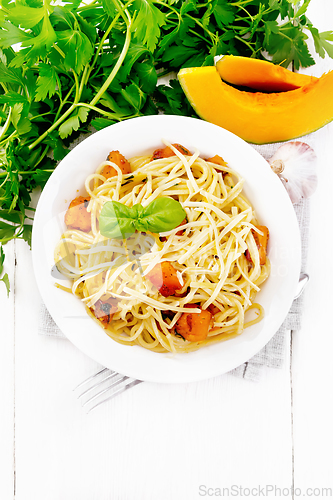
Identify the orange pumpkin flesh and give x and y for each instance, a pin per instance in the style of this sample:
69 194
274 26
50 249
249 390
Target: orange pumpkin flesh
260 75
194 326
259 117
77 216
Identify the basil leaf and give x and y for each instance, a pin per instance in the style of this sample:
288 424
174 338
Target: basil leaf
117 220
162 214
142 225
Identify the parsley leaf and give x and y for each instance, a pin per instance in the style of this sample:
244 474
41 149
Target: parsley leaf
10 75
171 99
11 34
100 123
12 98
26 17
147 23
73 122
77 47
325 38
5 278
46 82
224 13
13 216
7 231
27 233
302 8
322 41
290 46
134 96
41 176
148 76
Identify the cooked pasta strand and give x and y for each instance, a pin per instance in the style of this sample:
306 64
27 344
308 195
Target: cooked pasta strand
207 253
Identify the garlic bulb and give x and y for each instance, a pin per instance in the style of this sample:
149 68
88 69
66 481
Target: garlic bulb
295 164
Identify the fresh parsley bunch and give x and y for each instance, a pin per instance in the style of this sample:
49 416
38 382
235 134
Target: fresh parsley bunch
4 278
74 68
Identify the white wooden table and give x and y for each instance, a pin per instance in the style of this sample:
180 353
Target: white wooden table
171 442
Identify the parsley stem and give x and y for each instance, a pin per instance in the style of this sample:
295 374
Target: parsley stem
63 116
170 8
6 175
246 43
6 125
285 36
42 156
99 110
11 136
24 172
198 35
58 121
247 13
115 70
106 34
58 49
84 79
103 40
239 4
174 23
77 87
213 37
64 101
84 7
40 115
243 20
55 125
16 235
4 87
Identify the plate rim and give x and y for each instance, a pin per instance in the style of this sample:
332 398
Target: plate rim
35 256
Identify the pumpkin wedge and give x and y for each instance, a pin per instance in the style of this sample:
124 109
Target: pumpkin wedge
255 116
260 75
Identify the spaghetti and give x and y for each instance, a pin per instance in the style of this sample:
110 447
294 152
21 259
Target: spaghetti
214 261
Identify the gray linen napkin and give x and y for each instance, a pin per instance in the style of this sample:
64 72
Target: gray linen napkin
272 355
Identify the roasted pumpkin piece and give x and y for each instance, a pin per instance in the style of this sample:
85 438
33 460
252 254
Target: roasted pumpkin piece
164 277
120 161
261 241
218 160
194 326
213 309
104 310
77 216
167 152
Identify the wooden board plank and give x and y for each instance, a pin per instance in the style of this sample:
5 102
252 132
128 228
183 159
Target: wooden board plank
7 460
313 345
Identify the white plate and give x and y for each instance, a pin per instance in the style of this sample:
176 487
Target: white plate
262 187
